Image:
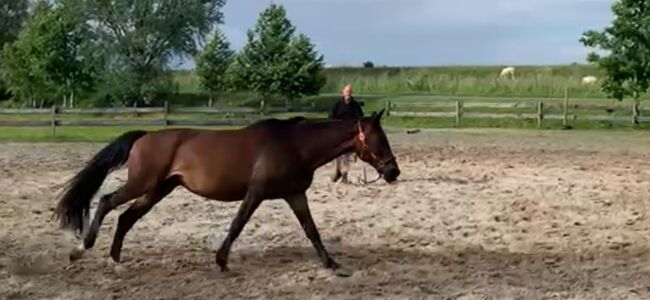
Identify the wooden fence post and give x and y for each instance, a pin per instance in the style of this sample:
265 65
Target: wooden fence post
565 110
459 112
165 113
540 113
53 125
262 106
387 108
635 112
135 109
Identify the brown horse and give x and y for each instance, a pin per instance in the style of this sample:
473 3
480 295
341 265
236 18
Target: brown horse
270 159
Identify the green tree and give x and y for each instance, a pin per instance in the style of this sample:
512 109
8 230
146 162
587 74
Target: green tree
275 62
235 80
140 37
73 61
53 55
212 64
627 41
13 14
24 80
24 70
302 70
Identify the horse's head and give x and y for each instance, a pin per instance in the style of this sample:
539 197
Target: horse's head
371 145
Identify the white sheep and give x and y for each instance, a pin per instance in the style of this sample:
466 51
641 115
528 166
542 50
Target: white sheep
589 79
508 71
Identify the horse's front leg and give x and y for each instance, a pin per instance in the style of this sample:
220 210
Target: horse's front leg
300 208
246 210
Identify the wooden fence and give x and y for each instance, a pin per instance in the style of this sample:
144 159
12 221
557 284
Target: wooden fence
138 116
632 113
457 110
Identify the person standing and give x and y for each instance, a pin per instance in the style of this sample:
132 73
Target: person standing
346 108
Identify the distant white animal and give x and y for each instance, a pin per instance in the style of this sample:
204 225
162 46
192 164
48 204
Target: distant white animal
589 79
508 71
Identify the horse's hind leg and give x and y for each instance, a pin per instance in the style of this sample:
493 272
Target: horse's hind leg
250 203
106 203
300 208
136 211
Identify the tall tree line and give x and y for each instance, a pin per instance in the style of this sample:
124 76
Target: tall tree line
118 52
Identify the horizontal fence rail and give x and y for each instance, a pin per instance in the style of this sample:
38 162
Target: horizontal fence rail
459 110
444 108
162 116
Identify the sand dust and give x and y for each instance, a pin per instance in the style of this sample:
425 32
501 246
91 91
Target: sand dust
477 215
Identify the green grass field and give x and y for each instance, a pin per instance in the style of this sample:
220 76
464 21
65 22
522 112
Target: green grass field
530 81
73 134
105 134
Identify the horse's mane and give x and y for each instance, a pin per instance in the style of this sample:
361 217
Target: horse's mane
281 124
277 123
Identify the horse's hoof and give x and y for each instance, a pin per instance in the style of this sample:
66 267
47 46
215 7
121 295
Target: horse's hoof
342 272
222 266
76 254
115 258
117 267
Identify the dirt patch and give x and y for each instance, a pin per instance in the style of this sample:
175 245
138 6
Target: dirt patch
475 216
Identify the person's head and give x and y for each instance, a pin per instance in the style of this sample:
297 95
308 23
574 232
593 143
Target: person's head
347 92
372 147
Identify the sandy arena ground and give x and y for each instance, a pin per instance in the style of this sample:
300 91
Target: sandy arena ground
477 215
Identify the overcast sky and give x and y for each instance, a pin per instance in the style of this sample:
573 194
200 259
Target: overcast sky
434 32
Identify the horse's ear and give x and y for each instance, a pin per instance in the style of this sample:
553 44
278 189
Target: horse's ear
377 116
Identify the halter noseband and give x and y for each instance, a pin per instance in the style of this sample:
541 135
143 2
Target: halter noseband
365 149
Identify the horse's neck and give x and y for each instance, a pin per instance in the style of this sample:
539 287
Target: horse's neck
326 141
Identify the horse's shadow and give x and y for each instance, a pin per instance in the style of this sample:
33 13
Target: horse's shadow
451 271
438 179
428 271
430 179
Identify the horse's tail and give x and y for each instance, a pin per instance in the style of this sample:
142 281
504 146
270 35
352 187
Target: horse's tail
74 204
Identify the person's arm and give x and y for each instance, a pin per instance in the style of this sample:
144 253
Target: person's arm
332 113
359 110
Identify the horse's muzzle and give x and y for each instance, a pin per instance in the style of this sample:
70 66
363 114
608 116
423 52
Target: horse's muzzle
390 173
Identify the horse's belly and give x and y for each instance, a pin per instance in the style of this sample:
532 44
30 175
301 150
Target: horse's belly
223 186
214 188
217 175
224 193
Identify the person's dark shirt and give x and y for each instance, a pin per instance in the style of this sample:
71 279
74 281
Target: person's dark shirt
343 110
